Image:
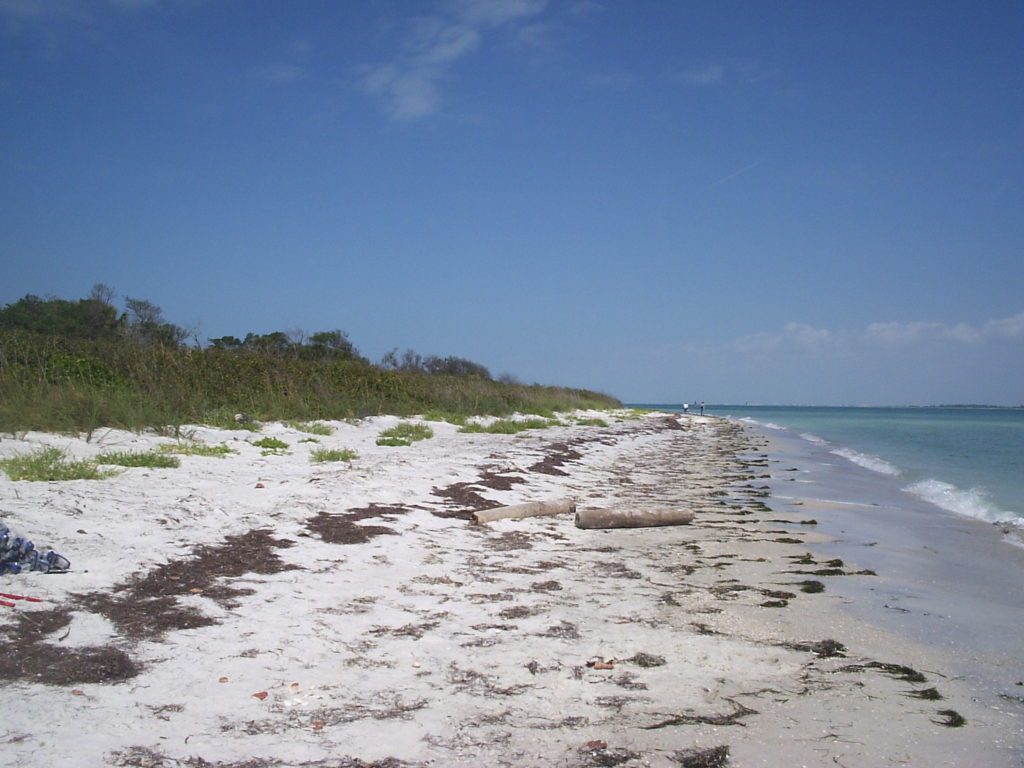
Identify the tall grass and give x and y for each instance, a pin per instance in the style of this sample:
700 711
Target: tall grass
69 385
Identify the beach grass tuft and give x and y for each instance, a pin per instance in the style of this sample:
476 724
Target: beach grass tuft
198 449
404 434
457 419
510 426
322 455
151 459
312 427
52 464
271 446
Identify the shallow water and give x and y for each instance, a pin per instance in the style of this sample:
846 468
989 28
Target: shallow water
965 460
943 579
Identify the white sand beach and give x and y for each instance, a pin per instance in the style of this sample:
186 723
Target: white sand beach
263 610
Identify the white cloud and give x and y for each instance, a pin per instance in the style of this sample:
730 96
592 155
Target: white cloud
713 74
1007 328
904 334
807 336
901 334
410 85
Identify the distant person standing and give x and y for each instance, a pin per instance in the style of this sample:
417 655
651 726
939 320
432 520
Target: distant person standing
701 407
686 407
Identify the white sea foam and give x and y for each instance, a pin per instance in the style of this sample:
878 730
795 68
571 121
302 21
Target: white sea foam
970 503
765 424
868 461
813 438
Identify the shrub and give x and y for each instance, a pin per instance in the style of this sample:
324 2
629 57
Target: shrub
321 455
51 464
151 459
404 434
592 422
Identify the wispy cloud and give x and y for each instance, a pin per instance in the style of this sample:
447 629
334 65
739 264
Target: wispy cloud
891 335
712 74
905 334
734 174
409 85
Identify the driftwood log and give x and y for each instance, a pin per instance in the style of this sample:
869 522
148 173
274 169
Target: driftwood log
532 509
631 518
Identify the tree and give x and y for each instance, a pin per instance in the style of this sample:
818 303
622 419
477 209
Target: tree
146 324
83 319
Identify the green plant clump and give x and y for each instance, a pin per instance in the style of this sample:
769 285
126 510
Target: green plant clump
321 455
51 464
312 427
457 419
271 446
592 422
198 449
404 434
510 426
151 459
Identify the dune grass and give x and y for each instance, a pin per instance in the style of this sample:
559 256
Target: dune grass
323 455
510 426
271 446
52 464
198 449
312 427
58 384
151 459
404 434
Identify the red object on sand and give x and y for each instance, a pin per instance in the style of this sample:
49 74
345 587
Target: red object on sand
19 597
4 602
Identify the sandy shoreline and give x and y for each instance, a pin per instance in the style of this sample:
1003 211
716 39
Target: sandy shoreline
377 626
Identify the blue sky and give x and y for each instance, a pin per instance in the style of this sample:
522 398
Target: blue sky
729 201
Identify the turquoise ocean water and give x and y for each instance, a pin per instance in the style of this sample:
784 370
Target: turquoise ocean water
969 461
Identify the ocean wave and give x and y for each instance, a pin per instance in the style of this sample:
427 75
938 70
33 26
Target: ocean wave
813 438
970 503
765 424
866 460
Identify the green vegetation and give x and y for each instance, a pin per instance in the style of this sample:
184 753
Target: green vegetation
511 426
78 366
457 419
51 464
198 449
591 422
271 446
321 455
309 440
152 459
404 434
312 427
